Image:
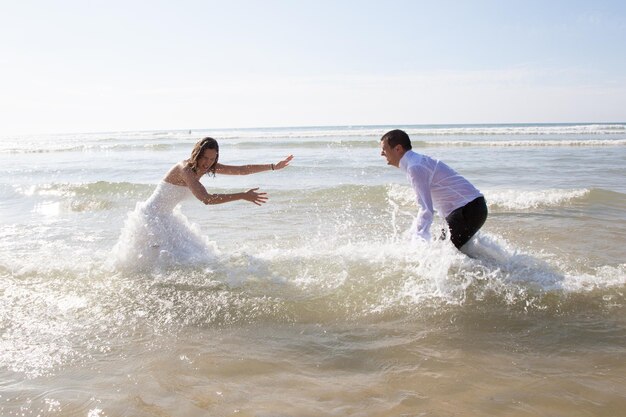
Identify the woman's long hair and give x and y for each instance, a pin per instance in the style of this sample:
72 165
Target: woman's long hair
206 143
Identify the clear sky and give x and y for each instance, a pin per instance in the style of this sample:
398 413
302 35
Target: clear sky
76 66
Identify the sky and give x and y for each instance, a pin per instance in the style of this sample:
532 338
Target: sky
88 66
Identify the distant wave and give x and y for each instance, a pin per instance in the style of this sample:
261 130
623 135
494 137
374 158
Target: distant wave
357 136
336 143
530 143
320 144
594 129
294 144
92 147
432 130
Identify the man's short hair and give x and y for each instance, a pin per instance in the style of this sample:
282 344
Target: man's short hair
397 137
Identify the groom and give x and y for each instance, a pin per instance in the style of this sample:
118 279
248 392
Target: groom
436 186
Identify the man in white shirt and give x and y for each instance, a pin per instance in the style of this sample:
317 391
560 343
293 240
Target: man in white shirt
437 187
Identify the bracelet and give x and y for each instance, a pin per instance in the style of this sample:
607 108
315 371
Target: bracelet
272 167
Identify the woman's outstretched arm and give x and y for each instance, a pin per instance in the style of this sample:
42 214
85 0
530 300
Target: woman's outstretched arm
252 195
252 168
198 190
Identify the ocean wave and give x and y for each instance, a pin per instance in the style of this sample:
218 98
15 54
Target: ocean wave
357 136
294 144
531 143
103 195
99 188
320 279
587 129
517 199
374 143
524 200
320 143
89 147
65 306
403 196
431 130
52 199
78 298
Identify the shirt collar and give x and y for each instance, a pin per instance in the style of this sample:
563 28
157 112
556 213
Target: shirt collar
405 160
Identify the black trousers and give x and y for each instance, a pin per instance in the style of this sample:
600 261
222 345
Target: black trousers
465 221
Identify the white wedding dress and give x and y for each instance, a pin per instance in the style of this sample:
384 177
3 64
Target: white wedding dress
157 234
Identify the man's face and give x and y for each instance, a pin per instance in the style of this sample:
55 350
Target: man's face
392 155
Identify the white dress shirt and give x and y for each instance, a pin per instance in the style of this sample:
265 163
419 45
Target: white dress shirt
437 187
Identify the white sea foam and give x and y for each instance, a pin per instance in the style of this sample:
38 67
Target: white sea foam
530 143
441 273
376 277
593 129
530 199
504 199
603 278
323 278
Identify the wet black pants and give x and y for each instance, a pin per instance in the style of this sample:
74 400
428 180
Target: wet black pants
465 221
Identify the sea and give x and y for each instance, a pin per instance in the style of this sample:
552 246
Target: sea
316 303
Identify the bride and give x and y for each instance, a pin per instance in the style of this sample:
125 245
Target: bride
156 234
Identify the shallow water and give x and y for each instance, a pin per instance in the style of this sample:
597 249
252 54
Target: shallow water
315 304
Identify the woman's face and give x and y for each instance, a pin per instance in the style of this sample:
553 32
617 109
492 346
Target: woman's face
206 160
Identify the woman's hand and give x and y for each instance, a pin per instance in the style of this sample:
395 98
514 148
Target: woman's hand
285 162
255 197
